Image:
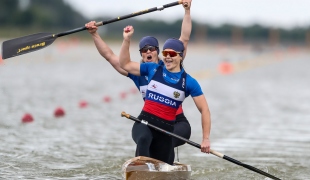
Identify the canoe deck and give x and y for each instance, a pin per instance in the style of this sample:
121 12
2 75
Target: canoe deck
145 168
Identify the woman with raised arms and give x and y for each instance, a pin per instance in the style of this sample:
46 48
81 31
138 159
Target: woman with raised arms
149 51
168 86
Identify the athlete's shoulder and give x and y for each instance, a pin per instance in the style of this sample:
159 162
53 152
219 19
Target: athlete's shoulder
131 76
190 78
193 86
148 68
150 64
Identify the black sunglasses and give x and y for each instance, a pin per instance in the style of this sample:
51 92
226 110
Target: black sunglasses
146 48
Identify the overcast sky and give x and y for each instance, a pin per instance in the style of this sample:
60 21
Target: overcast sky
275 13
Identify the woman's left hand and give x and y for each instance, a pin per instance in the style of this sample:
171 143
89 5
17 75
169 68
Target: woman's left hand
187 4
91 27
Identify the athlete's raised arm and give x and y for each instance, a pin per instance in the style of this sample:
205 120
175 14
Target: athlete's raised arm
104 50
124 57
186 25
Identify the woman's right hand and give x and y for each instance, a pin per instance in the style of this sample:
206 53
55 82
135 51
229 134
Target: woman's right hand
91 27
128 32
205 146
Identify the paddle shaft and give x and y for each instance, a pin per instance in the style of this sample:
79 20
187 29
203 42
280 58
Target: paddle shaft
121 18
199 146
34 42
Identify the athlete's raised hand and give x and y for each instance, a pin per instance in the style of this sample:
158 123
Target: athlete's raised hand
128 32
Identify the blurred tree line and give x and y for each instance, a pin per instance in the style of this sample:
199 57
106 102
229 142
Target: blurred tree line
23 17
36 15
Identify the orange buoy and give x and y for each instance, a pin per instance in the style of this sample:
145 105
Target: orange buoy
1 61
83 104
27 118
59 112
225 68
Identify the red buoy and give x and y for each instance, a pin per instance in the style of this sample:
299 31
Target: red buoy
123 95
83 104
107 99
27 118
59 112
134 90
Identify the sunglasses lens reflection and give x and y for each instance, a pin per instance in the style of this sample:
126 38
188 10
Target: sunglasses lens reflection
171 53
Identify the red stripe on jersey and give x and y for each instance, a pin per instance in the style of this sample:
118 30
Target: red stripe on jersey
180 110
160 110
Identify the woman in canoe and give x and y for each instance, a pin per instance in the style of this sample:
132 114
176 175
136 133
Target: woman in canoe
149 50
168 85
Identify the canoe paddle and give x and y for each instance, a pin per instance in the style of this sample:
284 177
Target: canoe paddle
220 155
34 42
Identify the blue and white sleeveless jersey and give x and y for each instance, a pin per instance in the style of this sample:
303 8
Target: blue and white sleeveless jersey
166 90
141 82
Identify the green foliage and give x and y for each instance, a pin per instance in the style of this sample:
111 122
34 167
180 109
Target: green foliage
220 32
7 7
40 14
55 15
297 34
256 32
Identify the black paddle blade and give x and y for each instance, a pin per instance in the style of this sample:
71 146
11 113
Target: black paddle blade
26 44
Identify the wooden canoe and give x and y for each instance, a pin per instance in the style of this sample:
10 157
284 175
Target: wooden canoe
145 168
